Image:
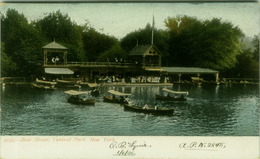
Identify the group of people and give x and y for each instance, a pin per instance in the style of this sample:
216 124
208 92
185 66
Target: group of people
122 100
55 59
147 107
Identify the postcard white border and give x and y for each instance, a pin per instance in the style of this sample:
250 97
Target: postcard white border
133 147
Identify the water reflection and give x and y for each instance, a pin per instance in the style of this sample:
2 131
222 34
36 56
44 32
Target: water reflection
209 110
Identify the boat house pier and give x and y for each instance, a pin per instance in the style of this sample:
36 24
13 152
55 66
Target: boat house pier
144 60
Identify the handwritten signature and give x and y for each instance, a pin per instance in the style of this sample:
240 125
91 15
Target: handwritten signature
127 148
213 146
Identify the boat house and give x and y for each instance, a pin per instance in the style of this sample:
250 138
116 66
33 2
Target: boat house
145 56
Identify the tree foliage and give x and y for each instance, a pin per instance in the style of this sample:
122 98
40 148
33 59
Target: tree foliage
115 52
59 27
248 61
95 43
211 43
256 47
246 66
8 67
22 42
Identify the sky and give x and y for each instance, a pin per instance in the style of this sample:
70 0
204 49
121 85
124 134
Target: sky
119 19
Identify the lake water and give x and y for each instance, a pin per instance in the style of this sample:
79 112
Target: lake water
210 110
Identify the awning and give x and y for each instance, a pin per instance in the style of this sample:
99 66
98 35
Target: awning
58 71
92 85
75 93
154 69
175 92
45 82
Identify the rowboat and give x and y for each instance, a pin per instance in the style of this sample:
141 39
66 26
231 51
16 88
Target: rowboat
117 97
149 110
79 97
172 95
67 84
94 91
46 85
87 84
197 80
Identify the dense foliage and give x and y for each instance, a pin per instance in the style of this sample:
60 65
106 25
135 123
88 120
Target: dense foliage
95 43
187 42
7 65
64 31
22 43
210 44
247 62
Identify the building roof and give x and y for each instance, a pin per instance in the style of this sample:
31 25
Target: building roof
54 45
58 71
140 49
75 93
189 70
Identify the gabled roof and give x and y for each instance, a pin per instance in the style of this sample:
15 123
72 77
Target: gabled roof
54 45
141 49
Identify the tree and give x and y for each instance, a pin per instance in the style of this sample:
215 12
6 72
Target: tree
184 33
22 42
96 43
255 43
246 66
8 67
211 43
140 37
59 27
115 52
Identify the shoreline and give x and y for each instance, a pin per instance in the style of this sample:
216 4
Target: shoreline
136 84
225 81
147 84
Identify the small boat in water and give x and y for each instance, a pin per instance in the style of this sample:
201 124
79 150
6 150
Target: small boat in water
197 80
92 86
172 95
117 97
67 84
94 91
79 97
150 110
46 85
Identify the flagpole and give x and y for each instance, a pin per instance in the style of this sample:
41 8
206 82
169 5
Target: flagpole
152 30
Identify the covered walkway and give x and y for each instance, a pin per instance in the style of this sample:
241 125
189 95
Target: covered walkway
190 70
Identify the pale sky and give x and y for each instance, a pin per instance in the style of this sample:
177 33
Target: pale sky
119 19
